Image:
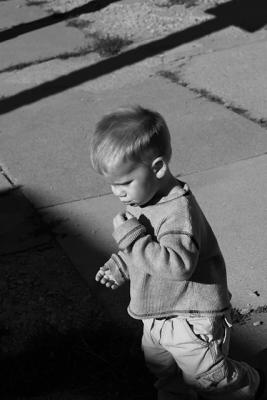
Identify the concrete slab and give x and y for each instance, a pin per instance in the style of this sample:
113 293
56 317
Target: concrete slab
234 198
14 12
45 145
21 227
84 229
37 44
237 75
4 184
48 42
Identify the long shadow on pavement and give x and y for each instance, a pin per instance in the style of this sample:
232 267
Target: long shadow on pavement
55 334
21 29
249 15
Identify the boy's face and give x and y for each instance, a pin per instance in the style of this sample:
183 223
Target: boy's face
135 184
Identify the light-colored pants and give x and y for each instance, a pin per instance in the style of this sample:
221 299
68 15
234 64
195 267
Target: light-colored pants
190 355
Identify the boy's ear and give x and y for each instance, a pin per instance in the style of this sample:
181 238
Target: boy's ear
159 167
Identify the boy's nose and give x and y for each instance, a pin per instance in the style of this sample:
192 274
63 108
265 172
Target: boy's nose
117 191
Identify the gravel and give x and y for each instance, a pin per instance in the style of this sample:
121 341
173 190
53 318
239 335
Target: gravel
137 19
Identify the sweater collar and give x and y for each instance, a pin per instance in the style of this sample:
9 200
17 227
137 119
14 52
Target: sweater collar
179 190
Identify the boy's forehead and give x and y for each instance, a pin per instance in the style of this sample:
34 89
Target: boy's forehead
122 172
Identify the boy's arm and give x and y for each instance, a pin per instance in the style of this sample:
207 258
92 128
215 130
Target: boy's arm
114 272
173 255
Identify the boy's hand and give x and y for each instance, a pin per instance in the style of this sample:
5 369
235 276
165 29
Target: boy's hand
104 276
120 218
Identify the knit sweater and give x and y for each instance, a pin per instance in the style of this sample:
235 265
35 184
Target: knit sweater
172 258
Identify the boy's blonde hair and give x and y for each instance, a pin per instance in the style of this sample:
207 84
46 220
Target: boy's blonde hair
129 134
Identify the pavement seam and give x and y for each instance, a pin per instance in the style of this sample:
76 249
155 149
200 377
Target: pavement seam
176 77
39 247
7 176
64 56
176 175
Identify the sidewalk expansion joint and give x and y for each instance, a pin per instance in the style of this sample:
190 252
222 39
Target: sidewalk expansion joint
37 247
179 175
193 172
176 77
62 203
5 174
83 51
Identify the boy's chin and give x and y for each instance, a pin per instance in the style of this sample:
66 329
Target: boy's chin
132 204
145 203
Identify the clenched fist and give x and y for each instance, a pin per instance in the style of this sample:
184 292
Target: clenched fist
120 218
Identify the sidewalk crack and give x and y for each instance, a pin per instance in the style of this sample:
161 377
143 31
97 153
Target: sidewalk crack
176 77
7 176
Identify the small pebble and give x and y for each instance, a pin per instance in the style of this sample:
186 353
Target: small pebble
254 293
245 311
257 323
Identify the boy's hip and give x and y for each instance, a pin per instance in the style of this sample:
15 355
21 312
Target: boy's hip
196 344
185 331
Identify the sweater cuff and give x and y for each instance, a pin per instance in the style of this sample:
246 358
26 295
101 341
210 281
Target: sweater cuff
127 233
117 268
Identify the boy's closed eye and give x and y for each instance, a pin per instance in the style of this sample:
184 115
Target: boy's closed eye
122 183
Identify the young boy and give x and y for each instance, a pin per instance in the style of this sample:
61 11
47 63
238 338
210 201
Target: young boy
168 251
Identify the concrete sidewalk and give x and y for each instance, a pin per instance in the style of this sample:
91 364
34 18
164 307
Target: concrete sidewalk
234 200
220 153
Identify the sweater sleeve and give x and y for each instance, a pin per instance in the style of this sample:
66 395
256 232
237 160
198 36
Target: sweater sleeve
118 268
172 255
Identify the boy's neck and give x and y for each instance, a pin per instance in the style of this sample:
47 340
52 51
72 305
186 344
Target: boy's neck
166 184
